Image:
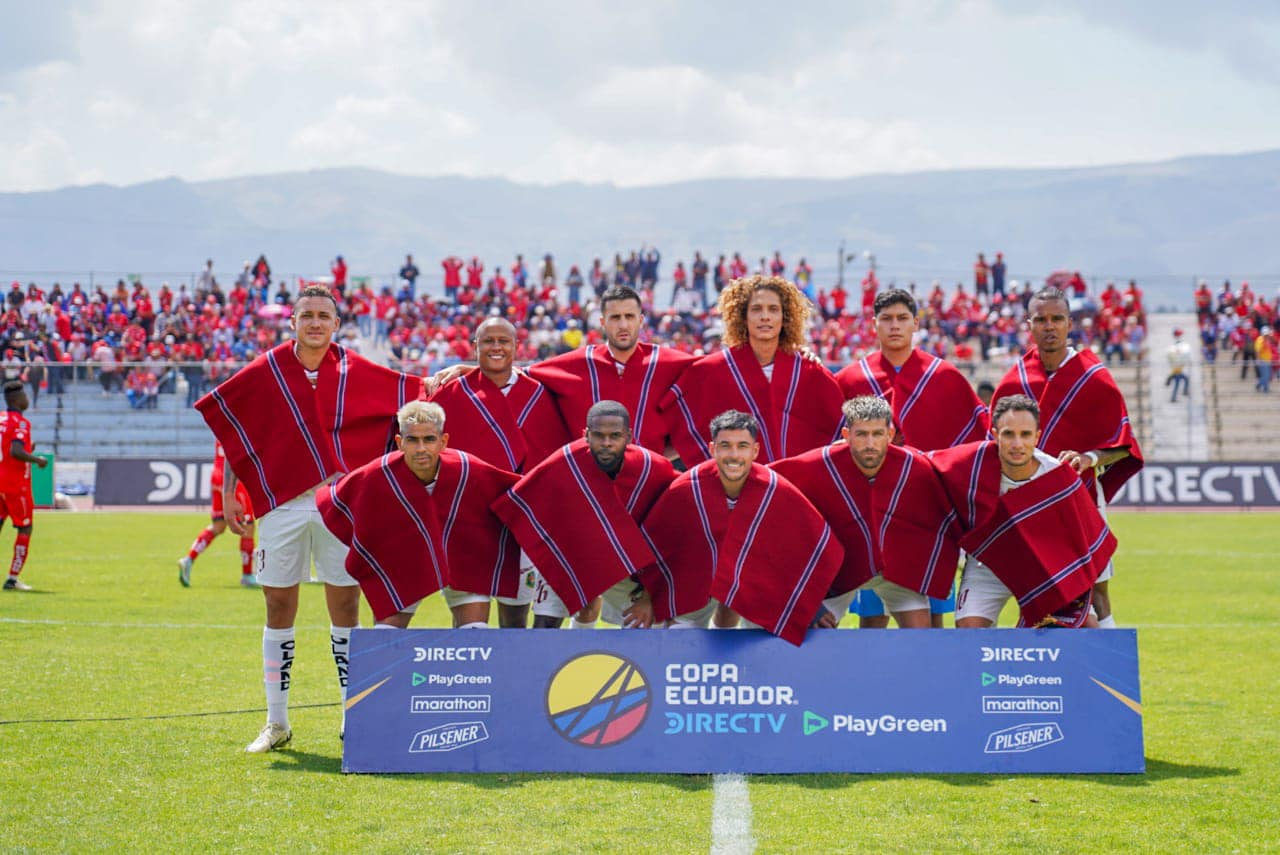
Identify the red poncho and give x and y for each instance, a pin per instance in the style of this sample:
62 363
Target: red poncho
581 378
772 559
797 410
1045 540
283 437
406 543
580 527
1081 409
514 431
901 525
933 404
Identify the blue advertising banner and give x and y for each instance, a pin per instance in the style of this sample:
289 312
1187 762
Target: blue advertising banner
743 701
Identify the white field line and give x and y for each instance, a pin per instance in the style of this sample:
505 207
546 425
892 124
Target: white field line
731 816
188 626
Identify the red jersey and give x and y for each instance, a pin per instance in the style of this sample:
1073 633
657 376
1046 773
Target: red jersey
15 475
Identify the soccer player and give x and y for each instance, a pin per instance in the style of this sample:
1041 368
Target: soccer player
296 417
218 524
507 419
739 536
886 506
1085 421
763 371
16 501
577 515
934 407
418 521
1032 528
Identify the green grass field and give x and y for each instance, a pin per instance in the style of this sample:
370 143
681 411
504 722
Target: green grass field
111 635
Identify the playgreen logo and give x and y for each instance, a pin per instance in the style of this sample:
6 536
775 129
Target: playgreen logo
987 679
813 723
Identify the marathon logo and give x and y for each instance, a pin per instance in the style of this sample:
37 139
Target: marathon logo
448 737
450 704
1020 654
1023 737
451 654
1021 704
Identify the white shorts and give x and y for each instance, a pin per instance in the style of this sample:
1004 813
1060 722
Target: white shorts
839 606
453 598
615 601
896 598
700 619
1107 572
528 584
982 594
546 602
290 539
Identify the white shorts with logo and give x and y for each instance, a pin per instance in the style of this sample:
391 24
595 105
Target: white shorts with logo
528 585
982 594
290 539
615 601
896 598
546 602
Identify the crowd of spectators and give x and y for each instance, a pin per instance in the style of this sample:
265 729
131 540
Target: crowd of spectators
146 342
1242 323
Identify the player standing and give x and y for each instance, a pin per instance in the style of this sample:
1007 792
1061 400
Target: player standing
15 478
218 524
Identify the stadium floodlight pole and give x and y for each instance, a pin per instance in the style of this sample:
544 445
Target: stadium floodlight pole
843 258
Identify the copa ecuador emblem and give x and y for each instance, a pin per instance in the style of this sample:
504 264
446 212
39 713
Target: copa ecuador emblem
598 699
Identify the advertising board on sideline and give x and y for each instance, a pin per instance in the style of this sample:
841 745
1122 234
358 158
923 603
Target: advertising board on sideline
1225 484
152 481
700 701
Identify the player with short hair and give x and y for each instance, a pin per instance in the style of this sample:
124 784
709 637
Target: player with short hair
1032 529
734 537
763 371
577 515
888 510
1085 421
218 524
16 500
417 521
295 418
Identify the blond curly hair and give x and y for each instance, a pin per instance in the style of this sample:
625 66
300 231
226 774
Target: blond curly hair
736 297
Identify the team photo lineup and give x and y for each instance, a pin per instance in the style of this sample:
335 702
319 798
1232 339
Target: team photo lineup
633 484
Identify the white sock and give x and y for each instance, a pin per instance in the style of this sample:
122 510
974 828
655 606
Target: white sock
574 623
476 624
340 644
277 668
1108 622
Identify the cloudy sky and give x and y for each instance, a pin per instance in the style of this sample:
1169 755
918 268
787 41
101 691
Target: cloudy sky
131 90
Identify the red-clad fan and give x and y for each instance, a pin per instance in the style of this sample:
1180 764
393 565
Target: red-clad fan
934 405
417 521
577 515
889 512
1083 418
1032 530
16 500
218 524
736 538
762 371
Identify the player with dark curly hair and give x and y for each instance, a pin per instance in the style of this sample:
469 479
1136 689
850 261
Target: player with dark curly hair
763 370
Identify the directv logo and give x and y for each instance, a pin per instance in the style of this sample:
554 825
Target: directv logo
449 704
1014 704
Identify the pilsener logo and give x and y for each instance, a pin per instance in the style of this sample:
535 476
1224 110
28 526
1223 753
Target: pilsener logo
449 704
598 699
448 737
1022 704
1023 737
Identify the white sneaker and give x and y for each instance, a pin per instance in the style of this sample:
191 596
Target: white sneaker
184 570
13 583
273 736
249 580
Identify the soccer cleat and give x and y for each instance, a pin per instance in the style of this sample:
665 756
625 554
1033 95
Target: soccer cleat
184 571
272 737
248 580
13 583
